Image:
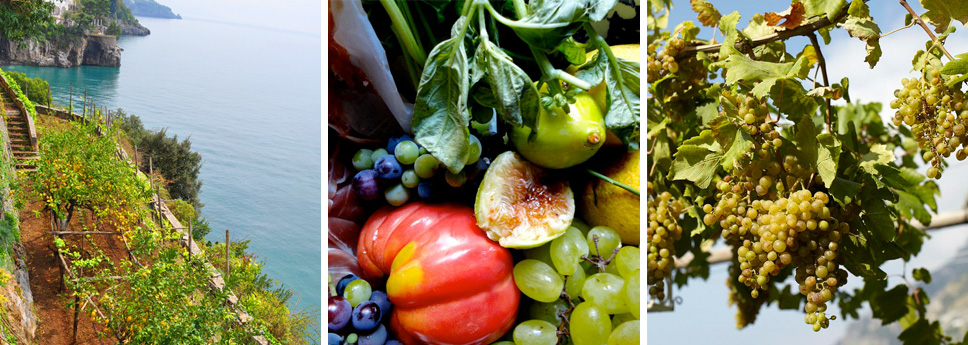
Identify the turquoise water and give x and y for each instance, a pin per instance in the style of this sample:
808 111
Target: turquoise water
249 98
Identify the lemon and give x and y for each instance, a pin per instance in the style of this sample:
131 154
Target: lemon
604 204
563 139
629 52
520 205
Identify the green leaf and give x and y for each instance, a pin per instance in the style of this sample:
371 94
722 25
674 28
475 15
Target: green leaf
828 8
739 67
828 154
440 116
696 164
573 51
922 274
919 333
727 25
877 218
622 87
741 143
516 95
806 138
844 191
941 12
707 112
549 22
878 155
911 206
859 9
866 30
956 66
890 305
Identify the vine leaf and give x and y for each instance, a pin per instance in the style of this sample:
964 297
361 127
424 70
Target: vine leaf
696 164
866 30
922 274
890 305
941 12
828 8
707 13
878 155
957 66
767 74
828 154
727 25
877 218
793 17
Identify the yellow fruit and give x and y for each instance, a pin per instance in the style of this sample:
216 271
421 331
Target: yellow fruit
520 205
563 139
629 52
606 204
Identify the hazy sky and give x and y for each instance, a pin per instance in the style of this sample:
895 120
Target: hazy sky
292 15
704 304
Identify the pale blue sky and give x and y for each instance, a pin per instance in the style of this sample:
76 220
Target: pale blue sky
291 15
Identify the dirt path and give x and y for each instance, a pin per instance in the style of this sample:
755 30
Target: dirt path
55 326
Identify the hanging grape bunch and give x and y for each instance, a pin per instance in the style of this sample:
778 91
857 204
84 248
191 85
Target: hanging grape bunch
686 75
936 115
661 236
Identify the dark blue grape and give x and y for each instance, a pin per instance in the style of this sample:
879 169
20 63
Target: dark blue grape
366 316
392 144
335 339
477 169
365 185
343 282
388 168
381 299
425 190
377 337
339 313
393 342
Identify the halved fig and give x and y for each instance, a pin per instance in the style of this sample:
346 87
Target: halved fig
520 205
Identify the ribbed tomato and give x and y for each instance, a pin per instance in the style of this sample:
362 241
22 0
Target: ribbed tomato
448 282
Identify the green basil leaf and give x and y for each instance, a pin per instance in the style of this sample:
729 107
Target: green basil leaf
549 22
573 51
440 116
515 94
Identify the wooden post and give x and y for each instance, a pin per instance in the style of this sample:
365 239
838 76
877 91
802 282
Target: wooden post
227 266
84 112
190 234
70 107
77 315
48 96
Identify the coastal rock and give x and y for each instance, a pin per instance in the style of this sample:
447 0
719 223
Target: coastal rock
135 29
67 52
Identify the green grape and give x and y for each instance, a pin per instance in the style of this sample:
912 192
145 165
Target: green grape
426 166
581 226
608 240
352 338
612 268
357 291
474 151
622 318
632 292
605 290
626 333
575 282
627 260
378 153
567 250
422 150
455 180
409 178
541 253
548 311
589 324
406 152
397 195
363 159
535 332
538 280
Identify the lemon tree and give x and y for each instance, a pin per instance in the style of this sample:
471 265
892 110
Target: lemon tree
746 149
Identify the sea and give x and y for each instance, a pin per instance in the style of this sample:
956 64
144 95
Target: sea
248 97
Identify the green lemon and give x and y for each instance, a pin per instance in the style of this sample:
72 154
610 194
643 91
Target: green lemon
563 139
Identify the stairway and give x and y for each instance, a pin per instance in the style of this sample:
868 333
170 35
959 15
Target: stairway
23 152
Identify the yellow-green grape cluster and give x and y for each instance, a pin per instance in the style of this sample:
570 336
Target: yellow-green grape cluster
689 72
664 230
818 271
937 116
747 308
705 12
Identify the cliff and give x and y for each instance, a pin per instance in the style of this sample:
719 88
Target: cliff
150 8
134 30
92 50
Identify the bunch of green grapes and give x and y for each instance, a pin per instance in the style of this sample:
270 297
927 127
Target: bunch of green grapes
937 116
689 75
583 285
747 307
818 269
664 230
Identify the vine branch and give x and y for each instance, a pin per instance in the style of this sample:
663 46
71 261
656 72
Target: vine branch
802 30
917 18
823 72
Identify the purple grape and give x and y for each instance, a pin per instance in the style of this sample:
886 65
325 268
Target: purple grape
343 282
392 144
366 316
425 190
381 299
335 339
393 342
388 168
339 313
365 185
377 337
477 169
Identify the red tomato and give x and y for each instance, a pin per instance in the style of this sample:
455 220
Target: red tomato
448 282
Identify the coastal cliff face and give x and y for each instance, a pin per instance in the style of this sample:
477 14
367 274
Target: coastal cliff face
89 50
134 30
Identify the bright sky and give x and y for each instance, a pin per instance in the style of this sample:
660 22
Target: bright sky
704 316
292 15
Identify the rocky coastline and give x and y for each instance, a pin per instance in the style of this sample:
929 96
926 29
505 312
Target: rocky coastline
93 50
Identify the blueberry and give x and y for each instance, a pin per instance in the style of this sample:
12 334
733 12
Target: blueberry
388 168
366 316
377 337
381 299
339 313
335 339
425 190
365 185
343 282
392 144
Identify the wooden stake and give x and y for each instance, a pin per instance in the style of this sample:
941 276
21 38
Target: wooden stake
190 234
227 267
77 315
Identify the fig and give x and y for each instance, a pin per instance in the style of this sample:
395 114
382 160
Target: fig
563 139
521 205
